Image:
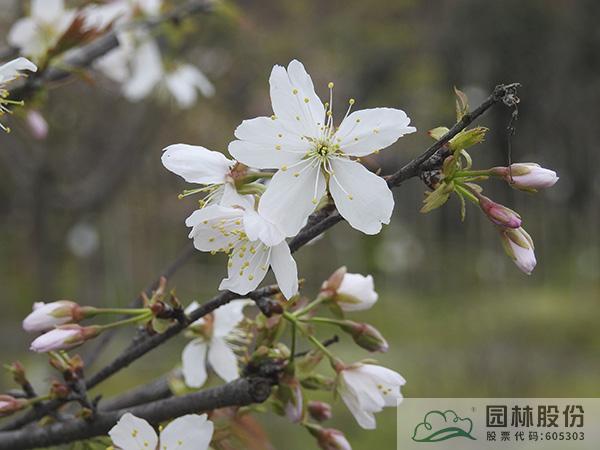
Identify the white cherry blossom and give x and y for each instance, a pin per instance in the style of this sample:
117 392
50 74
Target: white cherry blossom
190 432
37 33
212 346
367 388
253 243
138 66
314 156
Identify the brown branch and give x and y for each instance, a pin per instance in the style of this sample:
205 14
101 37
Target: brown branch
241 392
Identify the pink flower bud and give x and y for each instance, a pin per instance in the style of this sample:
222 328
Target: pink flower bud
37 124
519 246
320 411
366 336
329 438
499 214
46 316
289 394
10 405
64 337
527 176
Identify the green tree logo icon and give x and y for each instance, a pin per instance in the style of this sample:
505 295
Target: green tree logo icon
439 426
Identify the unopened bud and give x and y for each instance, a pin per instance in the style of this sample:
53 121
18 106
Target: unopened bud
18 373
308 362
318 382
519 246
329 438
59 390
37 124
64 337
319 411
46 316
365 335
499 214
527 176
351 291
10 405
289 393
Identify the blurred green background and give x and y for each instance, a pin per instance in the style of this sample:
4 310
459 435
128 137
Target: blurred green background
91 215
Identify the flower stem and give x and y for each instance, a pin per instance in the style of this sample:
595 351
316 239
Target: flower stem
41 398
293 349
466 192
129 311
326 320
294 320
316 302
131 320
472 173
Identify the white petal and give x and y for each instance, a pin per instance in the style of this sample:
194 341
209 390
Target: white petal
24 35
290 91
133 433
193 361
150 7
191 307
364 389
196 78
292 195
270 131
12 69
215 228
228 316
233 199
102 16
266 143
47 11
362 198
196 164
247 267
222 360
365 419
114 64
285 269
384 374
356 292
147 70
363 132
190 432
184 82
258 228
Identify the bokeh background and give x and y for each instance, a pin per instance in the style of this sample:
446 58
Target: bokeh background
90 214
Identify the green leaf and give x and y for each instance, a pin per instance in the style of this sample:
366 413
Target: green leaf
437 198
438 133
462 103
467 138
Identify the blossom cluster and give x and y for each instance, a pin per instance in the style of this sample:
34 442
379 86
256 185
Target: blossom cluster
137 64
304 160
